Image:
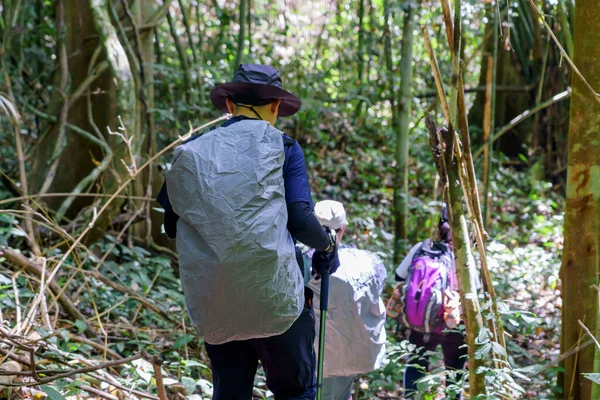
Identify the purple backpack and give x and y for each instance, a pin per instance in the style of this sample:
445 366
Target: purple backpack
422 294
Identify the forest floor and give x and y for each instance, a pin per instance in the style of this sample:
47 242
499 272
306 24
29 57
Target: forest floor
137 313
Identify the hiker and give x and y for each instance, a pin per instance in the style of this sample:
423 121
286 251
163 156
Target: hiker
236 199
427 302
355 334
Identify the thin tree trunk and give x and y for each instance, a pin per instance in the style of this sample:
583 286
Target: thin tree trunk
404 115
361 58
241 35
191 43
249 22
187 85
487 114
581 256
490 145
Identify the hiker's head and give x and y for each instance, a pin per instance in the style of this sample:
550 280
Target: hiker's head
331 214
255 91
254 108
444 227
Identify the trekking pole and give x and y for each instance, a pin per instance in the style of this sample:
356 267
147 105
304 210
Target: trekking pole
324 301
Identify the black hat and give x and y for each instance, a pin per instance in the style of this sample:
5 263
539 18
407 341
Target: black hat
255 84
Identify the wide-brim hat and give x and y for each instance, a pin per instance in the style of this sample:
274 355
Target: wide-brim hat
255 84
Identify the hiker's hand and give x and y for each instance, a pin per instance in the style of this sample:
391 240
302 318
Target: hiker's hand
452 309
326 260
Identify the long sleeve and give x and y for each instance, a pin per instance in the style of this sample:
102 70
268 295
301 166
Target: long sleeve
402 269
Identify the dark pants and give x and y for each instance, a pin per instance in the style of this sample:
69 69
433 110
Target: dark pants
453 347
288 359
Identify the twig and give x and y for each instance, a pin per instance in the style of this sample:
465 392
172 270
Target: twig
117 192
156 364
132 293
526 114
110 380
97 392
589 333
148 289
96 346
563 53
77 371
45 195
45 314
17 300
33 268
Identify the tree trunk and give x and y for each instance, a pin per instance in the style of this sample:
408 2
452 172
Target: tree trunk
241 35
581 262
404 115
81 42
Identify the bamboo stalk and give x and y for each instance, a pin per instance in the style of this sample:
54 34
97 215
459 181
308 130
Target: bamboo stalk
486 197
404 112
447 14
436 73
565 27
241 35
487 111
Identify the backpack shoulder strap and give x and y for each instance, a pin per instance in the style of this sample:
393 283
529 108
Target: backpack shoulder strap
288 141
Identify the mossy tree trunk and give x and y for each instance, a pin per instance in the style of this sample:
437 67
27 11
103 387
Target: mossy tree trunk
581 255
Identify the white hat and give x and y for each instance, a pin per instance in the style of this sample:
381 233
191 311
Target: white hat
331 214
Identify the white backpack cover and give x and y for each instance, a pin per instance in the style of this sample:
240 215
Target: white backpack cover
355 334
237 261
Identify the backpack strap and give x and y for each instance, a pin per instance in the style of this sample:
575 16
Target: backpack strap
288 141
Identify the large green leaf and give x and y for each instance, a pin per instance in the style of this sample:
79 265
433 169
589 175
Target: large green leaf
594 377
52 393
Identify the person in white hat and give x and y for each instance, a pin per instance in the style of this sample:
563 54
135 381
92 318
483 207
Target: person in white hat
355 334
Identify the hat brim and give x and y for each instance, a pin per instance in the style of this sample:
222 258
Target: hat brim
290 104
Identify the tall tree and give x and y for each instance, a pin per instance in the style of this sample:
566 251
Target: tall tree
404 115
241 35
581 256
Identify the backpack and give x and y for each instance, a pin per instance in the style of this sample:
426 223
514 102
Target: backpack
238 266
418 302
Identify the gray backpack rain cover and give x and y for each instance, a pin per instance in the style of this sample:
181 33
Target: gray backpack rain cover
355 334
236 257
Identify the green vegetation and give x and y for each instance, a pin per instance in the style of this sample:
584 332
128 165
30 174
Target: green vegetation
92 91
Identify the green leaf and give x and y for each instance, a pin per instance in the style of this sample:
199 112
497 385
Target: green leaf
594 377
182 341
483 350
498 349
520 375
80 325
17 232
483 337
4 280
189 384
120 347
193 363
52 393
